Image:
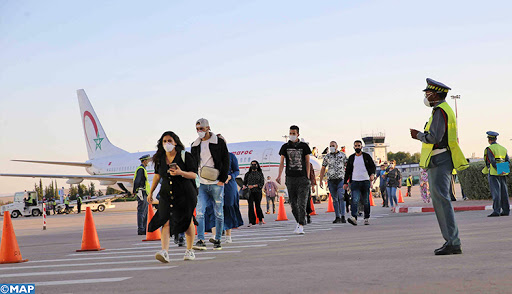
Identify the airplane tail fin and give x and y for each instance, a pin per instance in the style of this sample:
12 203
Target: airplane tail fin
98 145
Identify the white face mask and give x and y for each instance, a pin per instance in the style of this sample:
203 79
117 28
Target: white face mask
201 134
293 138
426 102
168 147
332 149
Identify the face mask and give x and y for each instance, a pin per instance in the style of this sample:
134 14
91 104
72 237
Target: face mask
358 150
427 103
332 149
169 147
293 138
253 166
201 134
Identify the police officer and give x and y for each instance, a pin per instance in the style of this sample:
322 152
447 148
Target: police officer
409 185
66 202
495 156
141 188
79 203
440 154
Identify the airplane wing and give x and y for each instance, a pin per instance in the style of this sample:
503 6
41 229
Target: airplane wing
74 177
68 163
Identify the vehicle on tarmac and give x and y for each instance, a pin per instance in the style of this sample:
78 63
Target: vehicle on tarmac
24 204
98 203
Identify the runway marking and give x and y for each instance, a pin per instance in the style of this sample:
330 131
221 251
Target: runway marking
139 249
85 281
123 269
94 263
129 256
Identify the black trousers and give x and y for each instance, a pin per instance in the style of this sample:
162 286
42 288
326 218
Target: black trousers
384 195
309 210
79 207
255 201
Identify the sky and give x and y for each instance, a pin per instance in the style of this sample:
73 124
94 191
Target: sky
337 69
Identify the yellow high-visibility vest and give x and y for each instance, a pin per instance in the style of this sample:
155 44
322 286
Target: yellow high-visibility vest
147 187
458 158
500 153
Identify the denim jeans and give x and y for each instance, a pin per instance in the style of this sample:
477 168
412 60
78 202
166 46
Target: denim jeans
216 194
338 196
142 214
360 190
269 199
391 191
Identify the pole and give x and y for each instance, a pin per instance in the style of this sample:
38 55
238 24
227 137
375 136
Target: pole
44 216
456 97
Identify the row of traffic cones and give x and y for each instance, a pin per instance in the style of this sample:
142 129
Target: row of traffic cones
10 251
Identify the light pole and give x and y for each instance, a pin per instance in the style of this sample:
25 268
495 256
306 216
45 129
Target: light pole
456 97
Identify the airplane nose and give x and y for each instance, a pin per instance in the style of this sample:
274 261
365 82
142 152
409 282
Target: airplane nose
316 163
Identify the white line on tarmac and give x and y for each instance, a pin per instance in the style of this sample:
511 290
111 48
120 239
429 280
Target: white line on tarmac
93 263
85 281
122 269
138 249
128 256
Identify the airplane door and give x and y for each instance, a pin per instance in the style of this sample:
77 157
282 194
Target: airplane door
265 163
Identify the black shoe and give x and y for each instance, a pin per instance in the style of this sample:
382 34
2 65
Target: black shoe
308 219
352 220
200 245
448 250
141 233
505 214
494 214
176 239
343 220
181 242
337 220
216 244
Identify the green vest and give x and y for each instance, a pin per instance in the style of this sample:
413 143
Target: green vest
458 159
79 200
147 187
500 153
66 200
409 182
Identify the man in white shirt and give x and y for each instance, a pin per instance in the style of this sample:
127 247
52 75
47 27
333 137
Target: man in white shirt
360 172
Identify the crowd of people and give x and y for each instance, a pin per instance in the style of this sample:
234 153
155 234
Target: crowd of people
204 180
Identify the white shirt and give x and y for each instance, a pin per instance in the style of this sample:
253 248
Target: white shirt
360 173
206 160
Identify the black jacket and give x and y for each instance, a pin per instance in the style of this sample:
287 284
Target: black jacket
219 152
368 162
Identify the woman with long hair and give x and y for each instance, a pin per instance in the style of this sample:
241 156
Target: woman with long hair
254 181
178 194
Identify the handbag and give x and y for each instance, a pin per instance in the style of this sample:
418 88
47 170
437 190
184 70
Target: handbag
209 173
244 195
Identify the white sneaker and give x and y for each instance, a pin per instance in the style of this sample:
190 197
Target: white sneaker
162 256
296 229
228 239
366 221
189 255
300 231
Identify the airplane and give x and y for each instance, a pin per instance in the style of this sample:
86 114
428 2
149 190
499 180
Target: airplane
115 167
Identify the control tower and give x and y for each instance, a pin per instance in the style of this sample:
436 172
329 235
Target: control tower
374 144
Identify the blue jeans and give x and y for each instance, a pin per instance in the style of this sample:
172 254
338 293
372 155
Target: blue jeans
337 194
391 191
216 193
360 189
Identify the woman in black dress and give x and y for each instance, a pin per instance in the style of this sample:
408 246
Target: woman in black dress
254 180
178 194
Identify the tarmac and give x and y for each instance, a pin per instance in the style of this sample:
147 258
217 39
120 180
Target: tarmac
394 254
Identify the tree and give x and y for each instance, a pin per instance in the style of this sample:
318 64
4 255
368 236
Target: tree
92 189
100 193
404 157
111 191
73 191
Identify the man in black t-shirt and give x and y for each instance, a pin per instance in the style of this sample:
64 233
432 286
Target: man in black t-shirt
296 154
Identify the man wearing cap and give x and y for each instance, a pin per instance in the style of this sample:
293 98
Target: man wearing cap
440 154
141 188
497 168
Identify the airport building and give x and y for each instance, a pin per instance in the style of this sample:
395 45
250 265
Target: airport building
375 145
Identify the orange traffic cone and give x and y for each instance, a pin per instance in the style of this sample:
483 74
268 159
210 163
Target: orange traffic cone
281 214
400 198
152 236
9 250
371 199
90 241
256 215
313 212
330 206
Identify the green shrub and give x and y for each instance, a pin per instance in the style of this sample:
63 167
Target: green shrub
475 184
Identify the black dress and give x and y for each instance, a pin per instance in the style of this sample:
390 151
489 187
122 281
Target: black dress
178 196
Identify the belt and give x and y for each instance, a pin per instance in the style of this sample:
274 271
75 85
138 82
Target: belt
438 151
